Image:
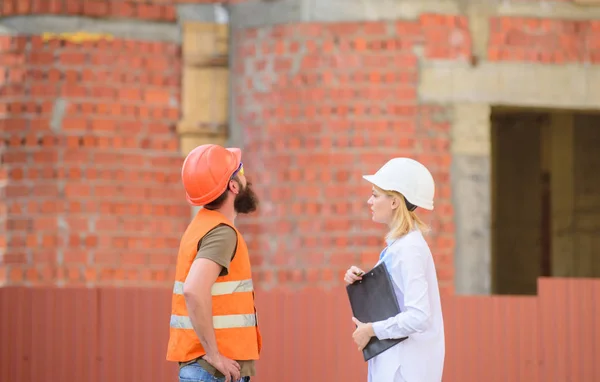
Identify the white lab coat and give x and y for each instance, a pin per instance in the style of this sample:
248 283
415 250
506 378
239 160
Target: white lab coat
420 358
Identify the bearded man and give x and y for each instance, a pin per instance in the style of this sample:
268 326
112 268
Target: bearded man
214 332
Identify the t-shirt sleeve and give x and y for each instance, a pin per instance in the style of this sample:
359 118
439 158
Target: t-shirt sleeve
218 245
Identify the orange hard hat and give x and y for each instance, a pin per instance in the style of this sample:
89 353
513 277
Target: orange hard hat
206 172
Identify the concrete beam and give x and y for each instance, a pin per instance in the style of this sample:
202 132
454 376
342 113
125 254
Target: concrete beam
256 13
122 28
126 29
205 13
522 84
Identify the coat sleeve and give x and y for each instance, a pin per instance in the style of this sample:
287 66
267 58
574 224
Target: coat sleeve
408 267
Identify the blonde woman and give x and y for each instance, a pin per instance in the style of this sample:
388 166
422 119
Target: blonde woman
400 187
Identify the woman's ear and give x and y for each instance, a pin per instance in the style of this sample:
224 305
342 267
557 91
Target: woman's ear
395 202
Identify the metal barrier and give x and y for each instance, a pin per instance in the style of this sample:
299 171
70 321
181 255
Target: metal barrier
120 334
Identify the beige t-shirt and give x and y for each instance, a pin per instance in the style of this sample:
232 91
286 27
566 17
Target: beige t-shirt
219 245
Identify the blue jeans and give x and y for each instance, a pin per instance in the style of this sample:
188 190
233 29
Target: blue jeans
195 373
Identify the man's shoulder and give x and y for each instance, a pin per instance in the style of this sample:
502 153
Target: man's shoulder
222 232
219 234
219 245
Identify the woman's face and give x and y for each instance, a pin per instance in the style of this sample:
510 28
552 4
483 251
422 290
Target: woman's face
382 207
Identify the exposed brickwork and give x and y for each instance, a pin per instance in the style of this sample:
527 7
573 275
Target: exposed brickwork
158 10
322 104
544 40
92 160
445 36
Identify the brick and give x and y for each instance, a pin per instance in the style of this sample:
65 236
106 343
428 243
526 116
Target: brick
122 9
150 11
96 8
72 58
157 96
71 197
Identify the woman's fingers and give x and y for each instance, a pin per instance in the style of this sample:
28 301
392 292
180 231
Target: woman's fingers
349 280
353 274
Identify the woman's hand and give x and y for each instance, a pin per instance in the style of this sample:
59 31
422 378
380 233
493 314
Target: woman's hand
363 333
353 274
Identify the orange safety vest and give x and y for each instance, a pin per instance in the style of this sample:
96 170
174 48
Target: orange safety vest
234 313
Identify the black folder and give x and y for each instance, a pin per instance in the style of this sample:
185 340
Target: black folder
373 299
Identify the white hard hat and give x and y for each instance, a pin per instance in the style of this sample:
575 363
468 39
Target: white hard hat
408 177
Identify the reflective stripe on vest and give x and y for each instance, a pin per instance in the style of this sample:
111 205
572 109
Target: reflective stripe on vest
219 322
221 288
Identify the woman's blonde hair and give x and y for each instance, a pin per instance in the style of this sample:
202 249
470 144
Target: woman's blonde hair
403 220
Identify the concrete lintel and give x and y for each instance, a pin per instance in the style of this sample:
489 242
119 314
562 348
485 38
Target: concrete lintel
126 29
256 13
543 9
5 31
572 86
349 10
250 14
206 13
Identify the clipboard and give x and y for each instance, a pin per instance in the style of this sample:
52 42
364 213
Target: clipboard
373 299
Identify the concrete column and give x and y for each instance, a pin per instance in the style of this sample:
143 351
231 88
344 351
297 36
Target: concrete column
471 196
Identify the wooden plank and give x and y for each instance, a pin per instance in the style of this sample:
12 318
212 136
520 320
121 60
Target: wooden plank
204 39
205 96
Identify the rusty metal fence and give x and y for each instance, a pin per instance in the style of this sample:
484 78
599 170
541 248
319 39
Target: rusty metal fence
120 335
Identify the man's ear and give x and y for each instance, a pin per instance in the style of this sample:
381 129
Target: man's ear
234 186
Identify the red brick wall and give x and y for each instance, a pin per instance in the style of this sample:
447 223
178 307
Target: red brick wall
157 10
93 193
320 105
544 40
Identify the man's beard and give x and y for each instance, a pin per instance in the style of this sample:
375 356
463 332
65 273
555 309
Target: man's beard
246 200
